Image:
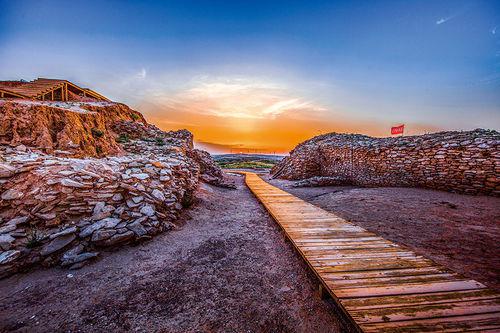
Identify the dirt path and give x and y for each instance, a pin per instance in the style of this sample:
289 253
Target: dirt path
458 231
226 269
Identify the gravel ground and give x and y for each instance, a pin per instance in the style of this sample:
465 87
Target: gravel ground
458 231
227 268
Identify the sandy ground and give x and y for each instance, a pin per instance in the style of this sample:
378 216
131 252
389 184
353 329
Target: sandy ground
461 232
227 268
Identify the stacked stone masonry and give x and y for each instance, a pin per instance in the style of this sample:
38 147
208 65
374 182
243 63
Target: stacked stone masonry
463 162
56 208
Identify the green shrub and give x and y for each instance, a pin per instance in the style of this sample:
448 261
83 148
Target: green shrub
34 238
159 142
187 199
123 138
135 116
97 133
98 150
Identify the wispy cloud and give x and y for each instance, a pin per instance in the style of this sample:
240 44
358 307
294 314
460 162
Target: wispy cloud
142 73
494 30
239 98
443 20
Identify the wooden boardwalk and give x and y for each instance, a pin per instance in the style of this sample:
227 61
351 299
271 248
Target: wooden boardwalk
380 286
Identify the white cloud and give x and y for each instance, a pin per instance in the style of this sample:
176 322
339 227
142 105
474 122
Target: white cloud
443 20
240 98
454 15
494 30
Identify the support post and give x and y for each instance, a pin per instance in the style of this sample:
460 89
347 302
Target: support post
323 293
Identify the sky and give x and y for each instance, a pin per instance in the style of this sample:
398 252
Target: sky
265 75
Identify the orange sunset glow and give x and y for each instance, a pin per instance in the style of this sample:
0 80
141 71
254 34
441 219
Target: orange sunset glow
240 115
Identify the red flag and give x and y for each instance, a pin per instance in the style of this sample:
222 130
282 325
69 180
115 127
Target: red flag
397 129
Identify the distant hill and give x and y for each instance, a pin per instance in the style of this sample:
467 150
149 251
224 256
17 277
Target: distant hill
247 161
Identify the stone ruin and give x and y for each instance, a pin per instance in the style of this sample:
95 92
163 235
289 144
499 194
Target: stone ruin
463 162
60 204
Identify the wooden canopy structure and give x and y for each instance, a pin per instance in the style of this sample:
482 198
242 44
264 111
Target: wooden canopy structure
48 90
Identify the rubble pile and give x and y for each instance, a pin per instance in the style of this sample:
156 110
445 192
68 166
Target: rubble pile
210 172
464 162
317 181
58 209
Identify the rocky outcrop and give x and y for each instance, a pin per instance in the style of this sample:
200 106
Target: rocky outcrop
464 162
210 172
58 209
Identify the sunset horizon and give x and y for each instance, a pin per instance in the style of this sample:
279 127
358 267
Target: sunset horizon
269 76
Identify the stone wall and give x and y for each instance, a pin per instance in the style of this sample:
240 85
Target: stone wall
464 162
56 208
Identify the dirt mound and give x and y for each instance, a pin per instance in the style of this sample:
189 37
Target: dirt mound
81 129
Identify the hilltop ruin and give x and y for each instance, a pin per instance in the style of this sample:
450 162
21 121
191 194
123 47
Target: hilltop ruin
463 162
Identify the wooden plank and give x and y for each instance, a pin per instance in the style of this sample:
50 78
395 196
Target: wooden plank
379 285
393 280
385 273
420 311
423 299
470 323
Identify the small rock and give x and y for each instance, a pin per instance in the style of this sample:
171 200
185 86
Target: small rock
148 210
73 252
46 217
71 183
21 148
101 215
79 258
119 238
7 228
131 204
101 235
63 232
12 194
98 207
158 194
117 197
19 220
137 199
57 244
141 176
158 164
8 256
137 228
109 222
6 242
6 170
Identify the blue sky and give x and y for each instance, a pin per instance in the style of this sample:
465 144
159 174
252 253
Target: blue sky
356 66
